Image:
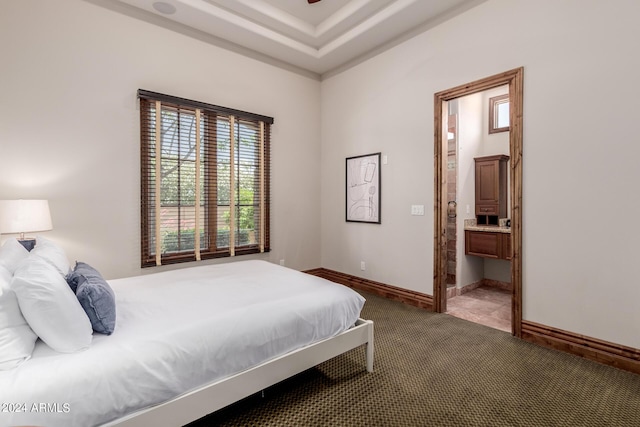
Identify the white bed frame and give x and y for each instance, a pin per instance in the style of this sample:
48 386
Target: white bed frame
211 397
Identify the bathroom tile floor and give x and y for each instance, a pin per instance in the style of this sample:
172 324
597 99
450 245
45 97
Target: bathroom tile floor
486 305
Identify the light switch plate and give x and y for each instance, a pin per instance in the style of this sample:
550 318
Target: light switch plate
417 209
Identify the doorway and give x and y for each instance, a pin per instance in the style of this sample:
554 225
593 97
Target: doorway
514 80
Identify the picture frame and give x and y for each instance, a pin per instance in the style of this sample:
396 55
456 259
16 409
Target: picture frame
362 188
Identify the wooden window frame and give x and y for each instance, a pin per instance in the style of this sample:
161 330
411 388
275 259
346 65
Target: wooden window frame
494 103
210 115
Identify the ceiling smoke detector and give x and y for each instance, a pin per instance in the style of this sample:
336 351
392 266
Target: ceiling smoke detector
165 8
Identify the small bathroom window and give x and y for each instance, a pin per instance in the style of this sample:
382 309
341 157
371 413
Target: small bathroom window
499 114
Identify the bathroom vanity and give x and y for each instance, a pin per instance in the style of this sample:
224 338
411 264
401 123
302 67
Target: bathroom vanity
488 234
487 241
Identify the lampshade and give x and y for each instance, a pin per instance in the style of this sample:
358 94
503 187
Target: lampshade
24 216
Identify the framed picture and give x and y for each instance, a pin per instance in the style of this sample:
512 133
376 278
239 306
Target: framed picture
363 188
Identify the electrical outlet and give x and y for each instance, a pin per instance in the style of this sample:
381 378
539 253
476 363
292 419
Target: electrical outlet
362 266
281 262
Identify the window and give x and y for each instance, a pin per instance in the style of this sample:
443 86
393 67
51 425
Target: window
499 114
205 180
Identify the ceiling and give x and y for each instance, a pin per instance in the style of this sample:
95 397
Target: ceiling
312 38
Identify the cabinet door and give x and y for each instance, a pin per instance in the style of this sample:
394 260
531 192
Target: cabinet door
487 183
506 246
483 243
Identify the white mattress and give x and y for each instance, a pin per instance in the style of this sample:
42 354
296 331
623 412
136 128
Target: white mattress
175 332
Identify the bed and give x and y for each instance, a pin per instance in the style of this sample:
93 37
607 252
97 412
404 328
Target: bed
187 343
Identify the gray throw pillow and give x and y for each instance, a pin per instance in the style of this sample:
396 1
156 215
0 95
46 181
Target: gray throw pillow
96 297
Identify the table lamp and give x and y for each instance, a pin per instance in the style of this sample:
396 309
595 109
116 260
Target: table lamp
24 216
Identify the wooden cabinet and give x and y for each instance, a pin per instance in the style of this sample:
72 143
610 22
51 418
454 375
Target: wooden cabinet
506 246
488 244
491 189
491 205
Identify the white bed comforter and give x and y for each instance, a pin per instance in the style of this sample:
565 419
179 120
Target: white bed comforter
176 331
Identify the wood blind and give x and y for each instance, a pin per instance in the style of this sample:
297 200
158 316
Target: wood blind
205 175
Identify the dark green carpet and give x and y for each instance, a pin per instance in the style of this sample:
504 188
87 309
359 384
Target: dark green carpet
437 370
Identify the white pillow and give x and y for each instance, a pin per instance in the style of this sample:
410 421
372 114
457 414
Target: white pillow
16 337
53 254
12 253
50 306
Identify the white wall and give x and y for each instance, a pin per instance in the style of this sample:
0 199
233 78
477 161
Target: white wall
69 125
469 269
579 179
492 144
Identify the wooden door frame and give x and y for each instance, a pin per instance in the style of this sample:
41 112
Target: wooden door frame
514 78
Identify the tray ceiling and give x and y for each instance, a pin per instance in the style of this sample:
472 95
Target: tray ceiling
317 38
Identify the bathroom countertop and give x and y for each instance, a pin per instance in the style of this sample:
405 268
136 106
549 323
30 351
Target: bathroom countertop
471 225
490 228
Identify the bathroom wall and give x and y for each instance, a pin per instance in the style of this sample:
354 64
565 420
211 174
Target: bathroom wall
496 143
493 143
470 269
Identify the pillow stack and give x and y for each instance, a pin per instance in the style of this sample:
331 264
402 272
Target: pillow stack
50 307
41 297
17 339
